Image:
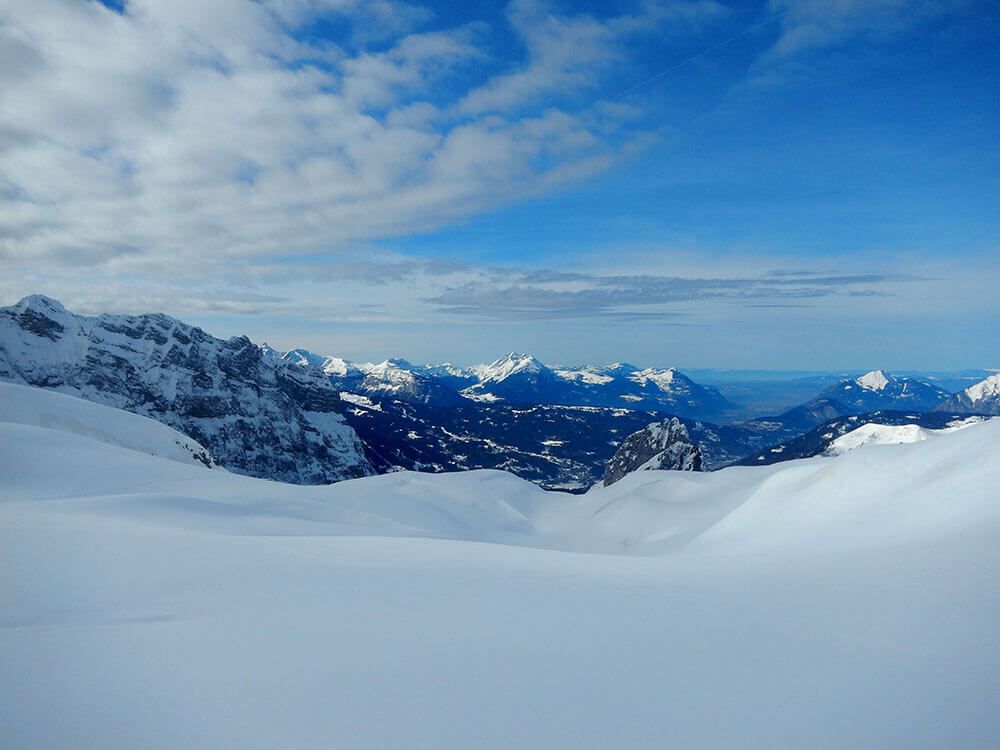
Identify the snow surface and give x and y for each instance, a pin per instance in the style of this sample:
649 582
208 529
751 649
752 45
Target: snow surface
25 405
824 603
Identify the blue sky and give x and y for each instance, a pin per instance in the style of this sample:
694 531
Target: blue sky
786 184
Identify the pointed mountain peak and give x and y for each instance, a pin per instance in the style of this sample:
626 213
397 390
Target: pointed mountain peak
876 380
984 389
511 364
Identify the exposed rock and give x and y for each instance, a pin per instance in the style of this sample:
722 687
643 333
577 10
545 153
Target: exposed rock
661 445
257 415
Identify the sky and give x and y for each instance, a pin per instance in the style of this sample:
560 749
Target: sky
781 184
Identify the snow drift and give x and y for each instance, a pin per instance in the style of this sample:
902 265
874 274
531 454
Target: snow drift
830 602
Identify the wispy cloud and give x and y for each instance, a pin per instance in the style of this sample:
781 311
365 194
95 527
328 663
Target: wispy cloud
550 294
815 24
807 28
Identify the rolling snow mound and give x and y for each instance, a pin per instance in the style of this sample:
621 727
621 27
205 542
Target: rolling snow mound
831 602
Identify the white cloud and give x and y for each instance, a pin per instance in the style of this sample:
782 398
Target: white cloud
815 24
569 54
190 129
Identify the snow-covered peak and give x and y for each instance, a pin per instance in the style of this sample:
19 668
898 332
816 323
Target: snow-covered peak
392 369
984 389
303 358
41 303
588 375
878 434
883 434
876 380
662 379
504 367
394 363
446 369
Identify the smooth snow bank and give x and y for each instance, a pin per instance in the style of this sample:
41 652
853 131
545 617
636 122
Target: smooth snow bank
26 405
826 603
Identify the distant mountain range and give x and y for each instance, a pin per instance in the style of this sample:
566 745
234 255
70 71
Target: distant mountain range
302 417
521 379
874 391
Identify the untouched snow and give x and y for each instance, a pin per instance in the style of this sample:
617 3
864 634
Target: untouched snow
25 405
825 603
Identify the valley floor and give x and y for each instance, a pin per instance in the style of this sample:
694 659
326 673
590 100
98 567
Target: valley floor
148 601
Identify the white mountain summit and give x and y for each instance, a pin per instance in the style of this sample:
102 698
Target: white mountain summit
876 380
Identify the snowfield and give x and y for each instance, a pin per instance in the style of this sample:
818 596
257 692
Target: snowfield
150 601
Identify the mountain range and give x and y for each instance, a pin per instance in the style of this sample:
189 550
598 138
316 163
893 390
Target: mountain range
521 379
302 417
257 414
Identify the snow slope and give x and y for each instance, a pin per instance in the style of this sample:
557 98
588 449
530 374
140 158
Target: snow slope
824 603
56 411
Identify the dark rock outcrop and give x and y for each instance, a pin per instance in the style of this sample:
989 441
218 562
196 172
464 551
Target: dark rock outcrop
663 445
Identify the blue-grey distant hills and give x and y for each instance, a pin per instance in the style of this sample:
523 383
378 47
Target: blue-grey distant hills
874 391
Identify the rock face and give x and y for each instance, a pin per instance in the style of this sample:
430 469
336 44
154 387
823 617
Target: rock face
662 445
981 398
255 413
